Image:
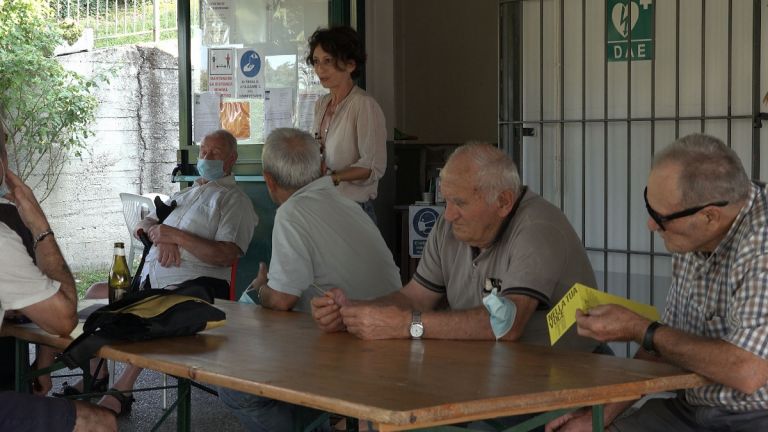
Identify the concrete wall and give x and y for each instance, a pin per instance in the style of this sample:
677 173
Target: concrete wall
133 149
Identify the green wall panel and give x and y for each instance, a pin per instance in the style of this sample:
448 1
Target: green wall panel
261 244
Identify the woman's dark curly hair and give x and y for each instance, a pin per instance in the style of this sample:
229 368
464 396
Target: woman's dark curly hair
342 43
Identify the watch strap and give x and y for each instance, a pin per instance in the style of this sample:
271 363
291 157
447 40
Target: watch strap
416 317
648 337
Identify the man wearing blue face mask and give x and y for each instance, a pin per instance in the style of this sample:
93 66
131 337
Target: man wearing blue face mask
210 228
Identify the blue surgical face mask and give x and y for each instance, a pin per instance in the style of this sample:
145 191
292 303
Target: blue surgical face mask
210 169
247 297
502 313
4 189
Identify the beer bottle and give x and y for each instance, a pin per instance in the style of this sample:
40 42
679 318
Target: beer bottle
119 276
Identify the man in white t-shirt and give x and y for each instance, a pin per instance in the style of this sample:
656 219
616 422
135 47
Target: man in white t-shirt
320 240
36 281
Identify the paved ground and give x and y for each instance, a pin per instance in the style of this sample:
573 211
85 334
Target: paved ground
208 414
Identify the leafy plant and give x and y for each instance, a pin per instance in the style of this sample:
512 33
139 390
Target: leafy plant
87 277
45 110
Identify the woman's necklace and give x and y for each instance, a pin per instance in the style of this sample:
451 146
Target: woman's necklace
330 111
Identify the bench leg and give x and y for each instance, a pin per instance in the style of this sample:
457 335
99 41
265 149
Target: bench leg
22 366
597 418
184 412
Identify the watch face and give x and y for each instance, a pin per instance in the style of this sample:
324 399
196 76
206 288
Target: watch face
417 330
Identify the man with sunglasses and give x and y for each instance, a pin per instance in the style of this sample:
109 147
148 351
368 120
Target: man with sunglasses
715 222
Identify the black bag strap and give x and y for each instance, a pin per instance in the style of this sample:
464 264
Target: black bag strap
136 281
162 210
80 351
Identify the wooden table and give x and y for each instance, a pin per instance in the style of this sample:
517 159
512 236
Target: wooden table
397 384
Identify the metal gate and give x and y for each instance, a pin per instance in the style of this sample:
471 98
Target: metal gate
583 114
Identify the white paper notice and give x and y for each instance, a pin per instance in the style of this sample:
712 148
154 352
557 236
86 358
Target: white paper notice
305 110
278 109
221 69
250 74
206 119
217 22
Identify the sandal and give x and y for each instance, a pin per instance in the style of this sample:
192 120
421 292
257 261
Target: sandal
126 401
98 385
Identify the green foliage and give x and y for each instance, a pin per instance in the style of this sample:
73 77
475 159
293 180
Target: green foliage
45 109
85 278
70 31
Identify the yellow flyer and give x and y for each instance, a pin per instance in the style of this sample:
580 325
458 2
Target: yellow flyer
563 315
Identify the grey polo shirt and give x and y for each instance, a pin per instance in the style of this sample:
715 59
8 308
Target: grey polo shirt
537 253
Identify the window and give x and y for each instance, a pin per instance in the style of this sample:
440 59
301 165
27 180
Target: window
248 70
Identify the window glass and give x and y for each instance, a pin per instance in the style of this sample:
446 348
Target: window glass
249 75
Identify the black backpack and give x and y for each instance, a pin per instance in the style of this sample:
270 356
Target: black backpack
146 314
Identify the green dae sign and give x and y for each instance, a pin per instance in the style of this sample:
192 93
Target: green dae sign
625 18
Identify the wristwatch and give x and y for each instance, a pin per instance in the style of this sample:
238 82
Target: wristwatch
417 328
648 337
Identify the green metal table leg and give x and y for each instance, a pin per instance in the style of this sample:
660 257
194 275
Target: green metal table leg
597 418
184 412
22 366
352 424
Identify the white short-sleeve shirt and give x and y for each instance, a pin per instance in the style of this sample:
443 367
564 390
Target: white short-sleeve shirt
21 283
217 210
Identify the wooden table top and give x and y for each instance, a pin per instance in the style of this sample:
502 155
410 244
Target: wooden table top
398 384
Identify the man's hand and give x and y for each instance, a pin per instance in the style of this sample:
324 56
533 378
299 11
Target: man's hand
261 277
168 254
576 421
163 234
611 323
377 321
326 310
29 209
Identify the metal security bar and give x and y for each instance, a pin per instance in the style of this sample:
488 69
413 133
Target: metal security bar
117 22
584 129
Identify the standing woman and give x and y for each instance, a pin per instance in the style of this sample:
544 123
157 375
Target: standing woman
348 122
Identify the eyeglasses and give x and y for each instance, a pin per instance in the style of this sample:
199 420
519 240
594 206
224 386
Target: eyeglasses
660 219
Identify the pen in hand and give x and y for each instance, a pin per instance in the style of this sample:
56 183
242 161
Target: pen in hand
322 291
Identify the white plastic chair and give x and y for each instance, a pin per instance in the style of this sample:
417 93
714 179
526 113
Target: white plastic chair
135 207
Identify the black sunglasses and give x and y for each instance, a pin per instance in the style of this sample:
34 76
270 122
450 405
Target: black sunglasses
660 219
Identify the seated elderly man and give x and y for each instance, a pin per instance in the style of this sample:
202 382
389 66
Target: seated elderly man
35 279
320 240
713 220
211 227
500 255
208 231
498 247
